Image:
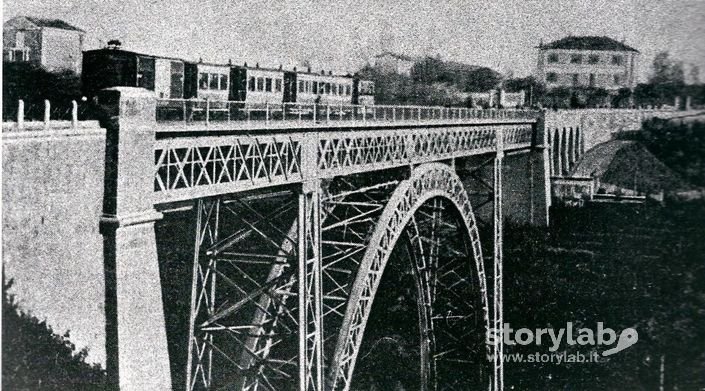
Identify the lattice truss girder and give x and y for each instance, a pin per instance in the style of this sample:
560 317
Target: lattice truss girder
190 167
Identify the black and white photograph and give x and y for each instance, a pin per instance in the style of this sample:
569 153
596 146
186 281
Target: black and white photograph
353 195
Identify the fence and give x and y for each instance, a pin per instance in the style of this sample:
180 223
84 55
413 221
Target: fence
46 115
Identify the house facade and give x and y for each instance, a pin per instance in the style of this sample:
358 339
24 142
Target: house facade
50 43
389 62
587 61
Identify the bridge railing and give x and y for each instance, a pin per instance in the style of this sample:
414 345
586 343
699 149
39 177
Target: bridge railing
207 111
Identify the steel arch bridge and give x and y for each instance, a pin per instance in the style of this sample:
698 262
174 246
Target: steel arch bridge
293 231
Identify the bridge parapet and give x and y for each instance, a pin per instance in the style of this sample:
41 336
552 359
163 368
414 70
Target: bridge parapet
251 116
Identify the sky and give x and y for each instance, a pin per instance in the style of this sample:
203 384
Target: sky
342 36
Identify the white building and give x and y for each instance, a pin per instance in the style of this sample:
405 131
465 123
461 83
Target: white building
599 62
51 43
389 62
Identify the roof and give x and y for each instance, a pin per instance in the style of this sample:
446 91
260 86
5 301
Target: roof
52 23
130 52
627 164
589 43
395 55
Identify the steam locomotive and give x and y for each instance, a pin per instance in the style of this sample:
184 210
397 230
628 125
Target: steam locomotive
174 78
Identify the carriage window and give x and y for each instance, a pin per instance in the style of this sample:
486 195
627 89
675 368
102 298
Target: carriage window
302 87
260 84
252 84
203 81
223 82
278 85
268 84
213 84
315 87
327 88
308 87
347 90
334 88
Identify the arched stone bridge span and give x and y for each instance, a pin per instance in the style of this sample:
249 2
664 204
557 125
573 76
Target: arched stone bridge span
295 230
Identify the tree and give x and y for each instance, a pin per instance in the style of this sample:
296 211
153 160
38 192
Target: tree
557 98
667 71
482 79
428 70
668 78
645 94
623 98
34 84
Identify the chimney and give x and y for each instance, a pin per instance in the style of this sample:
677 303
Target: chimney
294 69
309 69
245 64
280 67
256 65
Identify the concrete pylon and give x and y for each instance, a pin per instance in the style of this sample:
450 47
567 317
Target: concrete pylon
136 345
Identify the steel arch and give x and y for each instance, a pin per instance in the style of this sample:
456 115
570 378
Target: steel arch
426 181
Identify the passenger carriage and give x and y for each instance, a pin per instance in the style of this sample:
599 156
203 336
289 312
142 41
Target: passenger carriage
188 90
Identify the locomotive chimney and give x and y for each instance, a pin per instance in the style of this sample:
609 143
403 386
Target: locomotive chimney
309 69
294 69
256 65
245 64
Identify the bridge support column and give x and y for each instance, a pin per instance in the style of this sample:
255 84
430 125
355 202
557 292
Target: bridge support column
310 292
498 223
137 356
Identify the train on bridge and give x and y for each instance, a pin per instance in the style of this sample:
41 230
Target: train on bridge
175 78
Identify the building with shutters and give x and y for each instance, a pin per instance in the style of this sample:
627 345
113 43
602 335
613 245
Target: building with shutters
587 61
50 43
